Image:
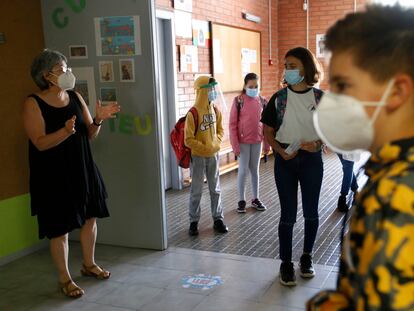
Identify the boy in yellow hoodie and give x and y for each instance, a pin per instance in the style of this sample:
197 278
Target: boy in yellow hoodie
372 107
204 140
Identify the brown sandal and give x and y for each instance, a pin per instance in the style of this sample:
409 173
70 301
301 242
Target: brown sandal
68 292
87 271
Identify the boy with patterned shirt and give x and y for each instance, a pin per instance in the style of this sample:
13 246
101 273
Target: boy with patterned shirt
372 70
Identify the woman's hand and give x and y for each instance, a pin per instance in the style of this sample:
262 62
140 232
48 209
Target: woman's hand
311 146
70 125
107 111
285 155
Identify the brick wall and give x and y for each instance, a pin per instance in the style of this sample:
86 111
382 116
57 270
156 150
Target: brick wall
292 24
228 12
288 30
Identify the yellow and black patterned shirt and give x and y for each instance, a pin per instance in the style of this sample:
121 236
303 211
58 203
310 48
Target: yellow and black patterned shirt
377 261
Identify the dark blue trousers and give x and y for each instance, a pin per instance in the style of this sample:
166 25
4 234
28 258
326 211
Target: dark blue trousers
349 180
306 170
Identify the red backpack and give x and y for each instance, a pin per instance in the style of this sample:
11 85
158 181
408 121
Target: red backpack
182 152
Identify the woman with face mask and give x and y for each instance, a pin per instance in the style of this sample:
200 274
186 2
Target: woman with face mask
288 128
246 136
66 188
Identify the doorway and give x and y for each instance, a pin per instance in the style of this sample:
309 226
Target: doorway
165 53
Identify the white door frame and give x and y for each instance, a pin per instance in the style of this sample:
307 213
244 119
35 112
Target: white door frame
172 93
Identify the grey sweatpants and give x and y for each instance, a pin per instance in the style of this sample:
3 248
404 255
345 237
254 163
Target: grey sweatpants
249 160
209 166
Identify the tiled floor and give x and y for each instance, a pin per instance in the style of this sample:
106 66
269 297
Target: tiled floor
255 233
151 281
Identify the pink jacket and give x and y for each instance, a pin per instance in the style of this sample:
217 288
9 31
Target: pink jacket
248 129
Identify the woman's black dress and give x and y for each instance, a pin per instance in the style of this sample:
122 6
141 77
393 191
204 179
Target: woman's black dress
66 187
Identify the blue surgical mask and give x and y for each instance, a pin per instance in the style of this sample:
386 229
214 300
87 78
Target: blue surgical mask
293 77
212 95
252 92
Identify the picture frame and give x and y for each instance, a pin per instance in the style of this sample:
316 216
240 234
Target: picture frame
127 70
108 95
78 52
106 71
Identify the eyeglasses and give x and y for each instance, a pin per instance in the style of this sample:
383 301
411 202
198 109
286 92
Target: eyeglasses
63 69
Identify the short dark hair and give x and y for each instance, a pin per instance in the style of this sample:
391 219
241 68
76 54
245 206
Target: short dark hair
250 76
311 65
380 39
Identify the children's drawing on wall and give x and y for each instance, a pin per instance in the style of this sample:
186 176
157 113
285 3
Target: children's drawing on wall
127 70
248 57
81 86
106 71
78 51
85 85
118 35
320 46
184 5
188 58
183 24
108 94
201 33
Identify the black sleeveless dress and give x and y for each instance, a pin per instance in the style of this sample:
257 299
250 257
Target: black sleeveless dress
66 187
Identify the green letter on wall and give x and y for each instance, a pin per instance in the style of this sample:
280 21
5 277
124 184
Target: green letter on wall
77 8
126 122
55 18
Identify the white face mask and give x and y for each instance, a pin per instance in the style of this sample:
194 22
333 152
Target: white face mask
66 80
342 123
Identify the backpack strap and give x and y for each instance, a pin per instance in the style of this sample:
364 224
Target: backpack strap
318 95
194 112
280 102
262 101
240 103
239 106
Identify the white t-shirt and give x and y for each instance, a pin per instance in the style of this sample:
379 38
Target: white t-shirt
297 122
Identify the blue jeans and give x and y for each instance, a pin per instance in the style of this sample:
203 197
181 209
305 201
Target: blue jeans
305 169
349 180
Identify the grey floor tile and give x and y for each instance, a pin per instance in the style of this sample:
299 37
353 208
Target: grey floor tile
131 296
331 280
316 282
290 297
254 233
187 262
173 301
237 288
96 289
153 277
142 257
17 301
41 284
266 307
78 305
60 303
213 303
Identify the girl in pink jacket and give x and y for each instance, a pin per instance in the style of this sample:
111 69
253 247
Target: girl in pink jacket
246 136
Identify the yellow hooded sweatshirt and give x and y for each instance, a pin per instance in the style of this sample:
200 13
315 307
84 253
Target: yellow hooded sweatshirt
206 142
